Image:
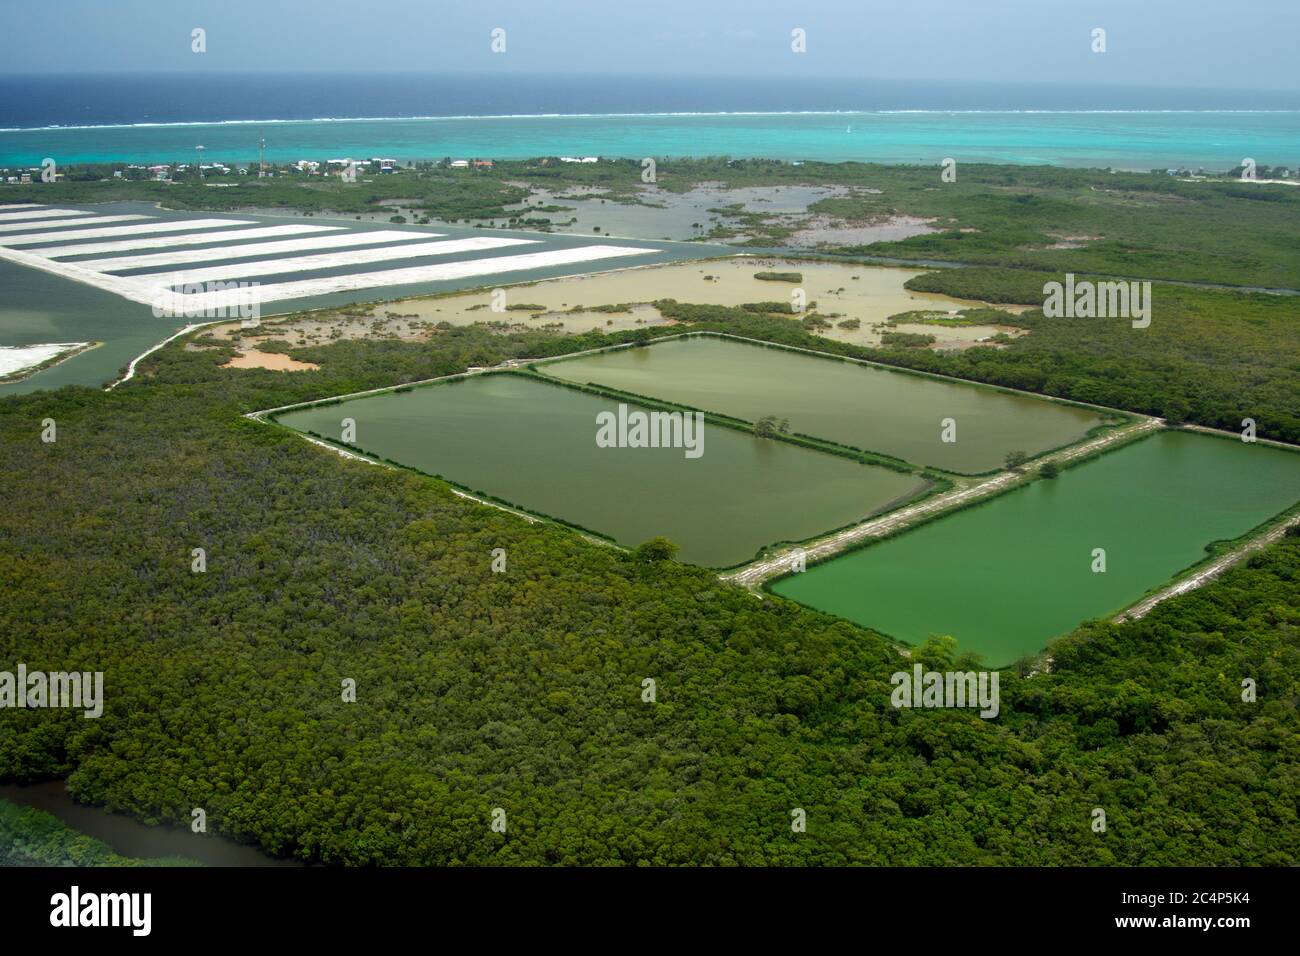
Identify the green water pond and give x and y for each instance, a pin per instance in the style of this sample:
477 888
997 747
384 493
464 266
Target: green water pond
533 444
1007 575
868 407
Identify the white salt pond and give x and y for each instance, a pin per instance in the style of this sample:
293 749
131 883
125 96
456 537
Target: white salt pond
245 250
108 232
337 260
26 227
16 359
188 239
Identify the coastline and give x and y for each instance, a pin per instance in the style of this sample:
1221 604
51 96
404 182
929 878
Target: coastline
1138 140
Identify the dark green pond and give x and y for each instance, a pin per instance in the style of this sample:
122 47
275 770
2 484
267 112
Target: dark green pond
1006 576
534 444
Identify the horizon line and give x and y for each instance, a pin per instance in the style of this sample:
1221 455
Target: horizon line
513 72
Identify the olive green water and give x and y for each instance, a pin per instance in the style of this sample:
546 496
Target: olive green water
862 406
534 444
1006 576
36 308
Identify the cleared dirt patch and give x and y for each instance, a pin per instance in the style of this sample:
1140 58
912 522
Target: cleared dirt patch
274 361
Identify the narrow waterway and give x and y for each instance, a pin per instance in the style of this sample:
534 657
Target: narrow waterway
131 838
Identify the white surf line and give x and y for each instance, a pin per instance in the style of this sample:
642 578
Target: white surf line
233 298
61 223
191 239
41 212
169 225
330 260
252 249
5 207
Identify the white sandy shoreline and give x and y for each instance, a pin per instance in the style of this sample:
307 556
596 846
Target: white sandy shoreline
17 359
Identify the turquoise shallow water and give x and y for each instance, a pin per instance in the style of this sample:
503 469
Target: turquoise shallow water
1126 140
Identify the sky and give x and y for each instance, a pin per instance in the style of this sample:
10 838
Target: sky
1161 43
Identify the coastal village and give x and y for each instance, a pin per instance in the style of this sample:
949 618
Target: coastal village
344 167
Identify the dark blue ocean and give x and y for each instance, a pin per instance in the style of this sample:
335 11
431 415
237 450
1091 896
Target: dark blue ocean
162 117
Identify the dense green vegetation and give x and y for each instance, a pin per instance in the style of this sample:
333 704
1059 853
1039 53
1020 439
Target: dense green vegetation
1004 286
963 317
523 689
906 340
1037 217
765 308
30 837
1210 357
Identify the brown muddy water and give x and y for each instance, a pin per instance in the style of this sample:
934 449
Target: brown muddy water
567 306
131 838
869 294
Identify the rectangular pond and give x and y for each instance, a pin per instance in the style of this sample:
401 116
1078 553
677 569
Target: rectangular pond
533 444
868 407
1007 575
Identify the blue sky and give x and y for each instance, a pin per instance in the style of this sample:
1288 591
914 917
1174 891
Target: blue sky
1196 43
